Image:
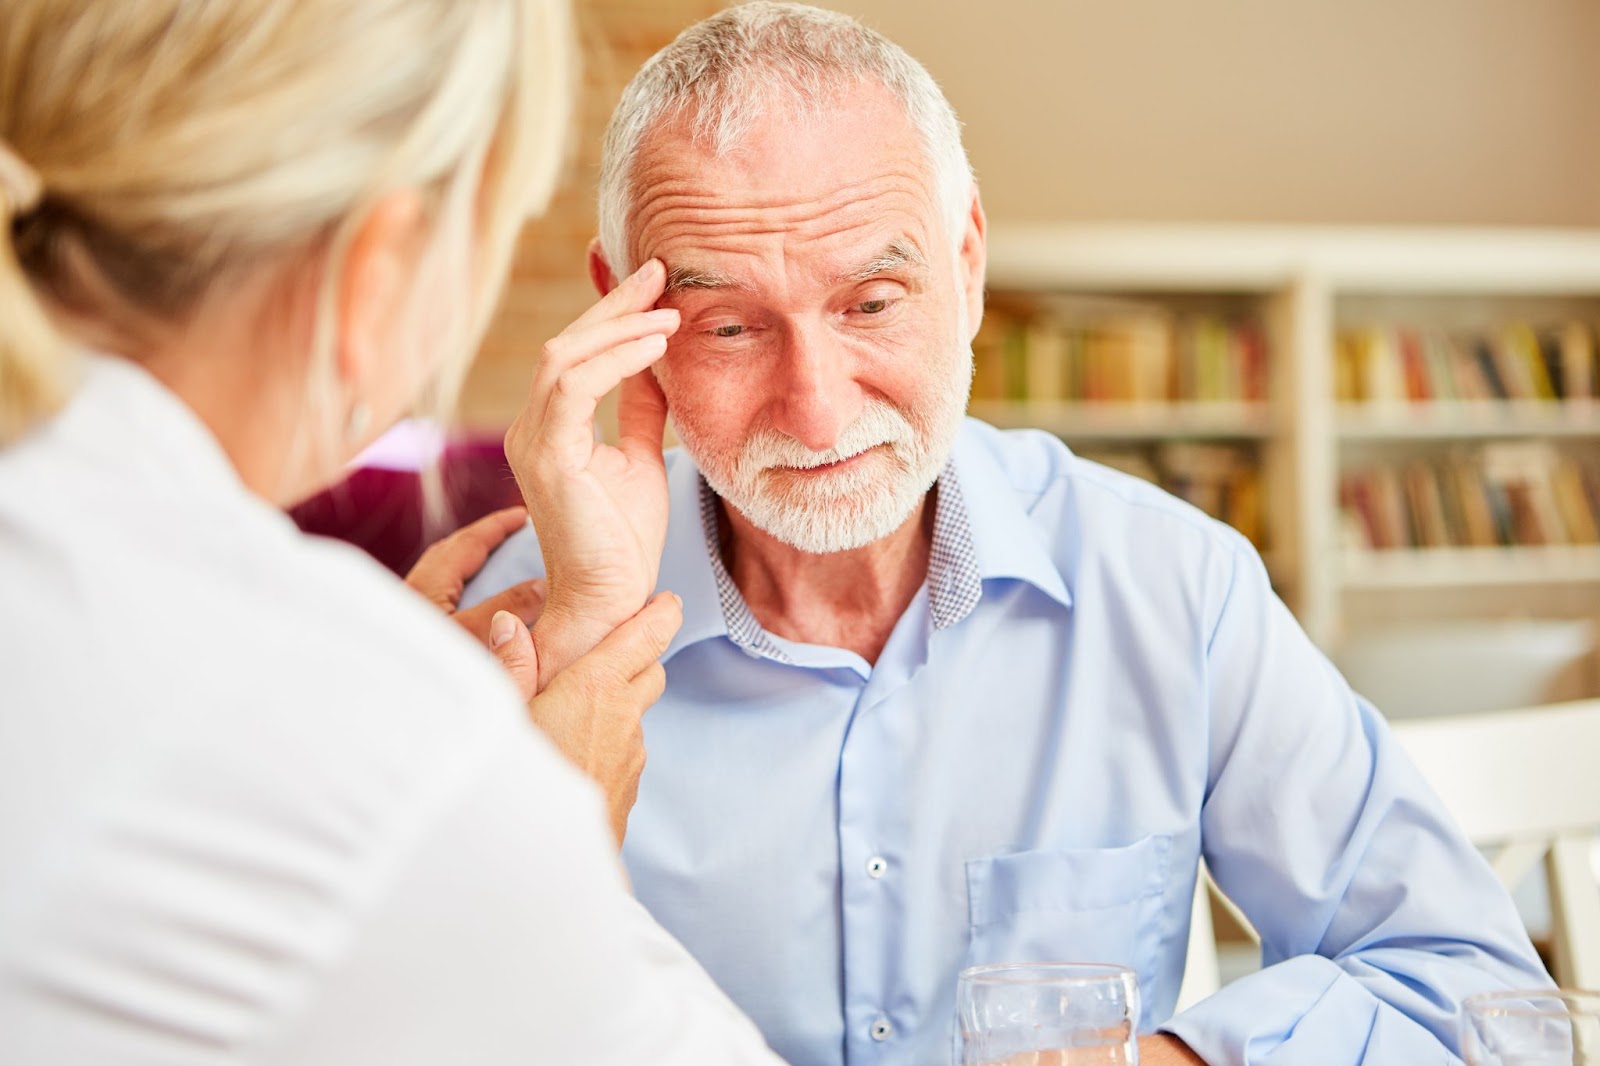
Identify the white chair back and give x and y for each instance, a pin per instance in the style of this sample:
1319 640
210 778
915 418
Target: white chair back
1528 782
1202 972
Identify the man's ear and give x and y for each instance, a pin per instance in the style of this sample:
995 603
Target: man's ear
600 270
974 263
375 282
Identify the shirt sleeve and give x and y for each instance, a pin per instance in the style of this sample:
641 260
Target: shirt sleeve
1376 915
507 935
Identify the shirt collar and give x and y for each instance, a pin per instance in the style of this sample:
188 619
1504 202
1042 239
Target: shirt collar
954 582
1005 539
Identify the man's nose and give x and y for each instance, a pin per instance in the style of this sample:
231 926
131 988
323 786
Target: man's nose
819 396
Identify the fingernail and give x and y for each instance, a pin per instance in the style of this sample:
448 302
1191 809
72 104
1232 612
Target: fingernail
657 341
663 314
649 267
502 627
679 600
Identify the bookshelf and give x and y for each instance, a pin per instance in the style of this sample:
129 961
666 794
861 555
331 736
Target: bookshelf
1315 425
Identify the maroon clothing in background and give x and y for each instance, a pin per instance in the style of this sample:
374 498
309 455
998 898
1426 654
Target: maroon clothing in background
379 509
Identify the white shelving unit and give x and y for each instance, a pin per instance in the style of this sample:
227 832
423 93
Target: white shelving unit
1469 421
1132 422
1410 569
1306 281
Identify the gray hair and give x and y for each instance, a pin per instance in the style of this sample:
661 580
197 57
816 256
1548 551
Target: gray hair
724 73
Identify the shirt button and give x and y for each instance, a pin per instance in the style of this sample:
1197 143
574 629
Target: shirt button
877 866
882 1030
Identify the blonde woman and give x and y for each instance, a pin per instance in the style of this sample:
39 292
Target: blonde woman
259 803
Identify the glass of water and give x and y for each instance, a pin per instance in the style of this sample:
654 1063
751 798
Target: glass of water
1048 1014
1548 1027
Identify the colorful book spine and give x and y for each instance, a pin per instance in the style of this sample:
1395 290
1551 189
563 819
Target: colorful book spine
1502 494
1518 362
1125 357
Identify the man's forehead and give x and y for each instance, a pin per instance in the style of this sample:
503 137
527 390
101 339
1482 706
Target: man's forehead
803 176
890 225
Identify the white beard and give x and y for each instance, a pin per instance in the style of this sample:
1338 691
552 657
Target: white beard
837 511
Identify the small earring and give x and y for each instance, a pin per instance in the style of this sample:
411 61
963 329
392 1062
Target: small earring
360 420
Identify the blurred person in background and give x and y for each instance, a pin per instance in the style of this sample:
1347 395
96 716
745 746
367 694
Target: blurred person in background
258 801
944 695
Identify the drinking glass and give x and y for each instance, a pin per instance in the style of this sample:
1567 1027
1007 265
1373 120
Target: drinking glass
1048 1014
1548 1027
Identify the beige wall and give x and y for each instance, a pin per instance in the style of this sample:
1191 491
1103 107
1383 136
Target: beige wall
1370 111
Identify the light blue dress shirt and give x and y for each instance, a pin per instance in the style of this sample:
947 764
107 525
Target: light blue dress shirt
1095 687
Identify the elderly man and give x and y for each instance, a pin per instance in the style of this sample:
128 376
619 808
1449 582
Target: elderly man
946 695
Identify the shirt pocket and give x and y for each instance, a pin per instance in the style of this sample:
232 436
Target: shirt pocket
1070 905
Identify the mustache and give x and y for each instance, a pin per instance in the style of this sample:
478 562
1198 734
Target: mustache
878 425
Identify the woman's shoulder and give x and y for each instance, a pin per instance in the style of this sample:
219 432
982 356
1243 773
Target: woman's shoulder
359 629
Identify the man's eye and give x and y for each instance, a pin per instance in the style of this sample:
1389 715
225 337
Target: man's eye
727 331
873 307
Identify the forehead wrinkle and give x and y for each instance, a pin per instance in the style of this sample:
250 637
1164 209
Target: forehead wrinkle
694 196
680 205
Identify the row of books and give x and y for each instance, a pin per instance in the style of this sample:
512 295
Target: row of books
1222 480
1131 354
1388 365
1502 494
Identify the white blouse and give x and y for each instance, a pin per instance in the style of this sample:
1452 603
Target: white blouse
260 804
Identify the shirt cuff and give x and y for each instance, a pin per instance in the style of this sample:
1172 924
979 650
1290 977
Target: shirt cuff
1304 1009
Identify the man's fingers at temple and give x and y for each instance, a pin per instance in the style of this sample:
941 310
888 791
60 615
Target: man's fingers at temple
573 347
568 422
591 381
566 354
638 291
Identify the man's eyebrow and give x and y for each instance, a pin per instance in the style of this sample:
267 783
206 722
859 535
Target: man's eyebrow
899 255
683 278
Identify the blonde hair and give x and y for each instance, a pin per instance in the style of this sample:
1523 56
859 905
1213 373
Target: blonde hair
177 141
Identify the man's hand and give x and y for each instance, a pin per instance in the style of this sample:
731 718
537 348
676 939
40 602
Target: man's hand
592 710
441 575
601 511
1165 1050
